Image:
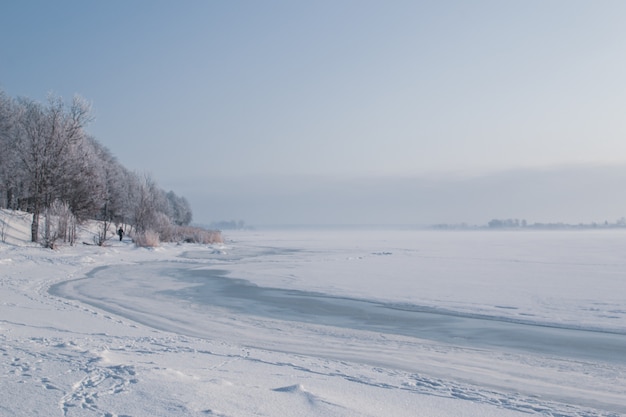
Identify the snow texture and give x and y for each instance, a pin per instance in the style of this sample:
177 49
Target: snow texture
324 323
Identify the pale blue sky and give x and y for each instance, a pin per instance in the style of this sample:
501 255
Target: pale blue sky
207 95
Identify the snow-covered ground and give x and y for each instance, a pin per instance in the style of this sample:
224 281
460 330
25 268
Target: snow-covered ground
325 323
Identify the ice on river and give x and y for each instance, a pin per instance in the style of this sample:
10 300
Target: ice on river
330 323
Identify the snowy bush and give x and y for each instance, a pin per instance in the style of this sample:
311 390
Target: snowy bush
164 227
103 233
147 239
190 234
60 224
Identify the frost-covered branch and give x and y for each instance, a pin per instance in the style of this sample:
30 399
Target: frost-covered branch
46 156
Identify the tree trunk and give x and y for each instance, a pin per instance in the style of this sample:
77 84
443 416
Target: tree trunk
34 228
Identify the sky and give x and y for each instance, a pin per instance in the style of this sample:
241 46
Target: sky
359 112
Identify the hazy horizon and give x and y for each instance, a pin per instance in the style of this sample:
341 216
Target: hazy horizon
345 112
573 194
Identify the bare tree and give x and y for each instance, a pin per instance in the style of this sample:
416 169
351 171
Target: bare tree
114 199
149 200
8 177
60 224
46 139
52 169
180 210
4 225
82 184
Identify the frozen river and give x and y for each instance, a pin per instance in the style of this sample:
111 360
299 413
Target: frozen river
531 314
212 287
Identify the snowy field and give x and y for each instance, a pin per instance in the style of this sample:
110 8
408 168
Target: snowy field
324 323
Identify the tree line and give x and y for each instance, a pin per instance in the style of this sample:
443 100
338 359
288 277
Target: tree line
49 164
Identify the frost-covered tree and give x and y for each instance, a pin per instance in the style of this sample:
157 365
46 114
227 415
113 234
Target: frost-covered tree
149 203
59 224
156 210
180 210
83 182
9 180
47 158
46 142
116 199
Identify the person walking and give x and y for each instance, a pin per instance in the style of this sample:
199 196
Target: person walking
120 233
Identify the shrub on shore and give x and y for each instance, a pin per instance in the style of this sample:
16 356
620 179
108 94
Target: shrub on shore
182 234
189 234
147 239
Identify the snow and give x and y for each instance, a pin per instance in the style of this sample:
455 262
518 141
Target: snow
316 322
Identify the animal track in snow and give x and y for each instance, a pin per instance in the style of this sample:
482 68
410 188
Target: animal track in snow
99 382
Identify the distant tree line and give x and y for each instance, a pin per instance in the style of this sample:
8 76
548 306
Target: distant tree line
49 163
506 223
229 225
523 224
515 223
